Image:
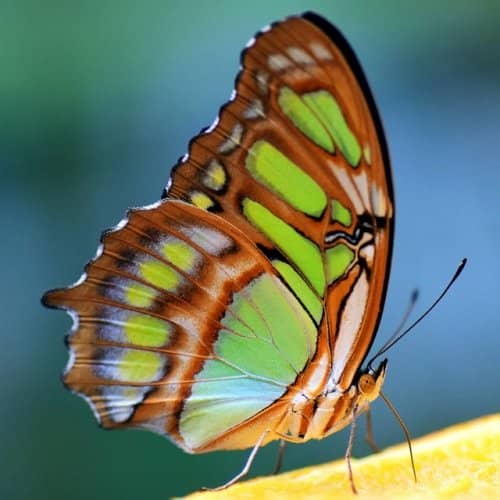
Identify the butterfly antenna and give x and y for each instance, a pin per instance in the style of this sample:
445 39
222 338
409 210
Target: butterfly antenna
406 315
398 335
405 430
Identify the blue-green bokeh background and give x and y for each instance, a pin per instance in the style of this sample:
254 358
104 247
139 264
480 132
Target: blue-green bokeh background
98 99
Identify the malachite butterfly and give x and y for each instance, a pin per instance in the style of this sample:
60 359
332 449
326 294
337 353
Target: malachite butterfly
239 309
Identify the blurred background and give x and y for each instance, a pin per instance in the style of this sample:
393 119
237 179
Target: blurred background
98 99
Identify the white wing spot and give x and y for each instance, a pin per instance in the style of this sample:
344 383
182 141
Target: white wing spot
350 322
255 110
262 81
348 186
278 62
212 127
152 206
233 141
361 181
210 240
321 52
379 202
250 42
121 401
368 253
300 56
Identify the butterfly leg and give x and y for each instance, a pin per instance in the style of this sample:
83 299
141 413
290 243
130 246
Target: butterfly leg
369 433
348 452
281 453
405 430
246 467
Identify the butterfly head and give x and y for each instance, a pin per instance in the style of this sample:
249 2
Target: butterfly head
371 380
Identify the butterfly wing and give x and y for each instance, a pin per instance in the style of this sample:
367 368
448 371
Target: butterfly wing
271 249
298 161
182 327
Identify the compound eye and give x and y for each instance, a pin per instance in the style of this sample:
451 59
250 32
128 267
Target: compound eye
367 386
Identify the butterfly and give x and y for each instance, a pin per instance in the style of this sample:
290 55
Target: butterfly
239 309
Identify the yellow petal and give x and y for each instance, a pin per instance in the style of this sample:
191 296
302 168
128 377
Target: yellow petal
462 461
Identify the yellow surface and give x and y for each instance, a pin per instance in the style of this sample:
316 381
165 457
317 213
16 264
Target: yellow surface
462 461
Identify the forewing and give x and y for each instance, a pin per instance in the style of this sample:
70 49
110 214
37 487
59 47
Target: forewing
298 161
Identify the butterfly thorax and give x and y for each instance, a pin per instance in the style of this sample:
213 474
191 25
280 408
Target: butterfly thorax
317 416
